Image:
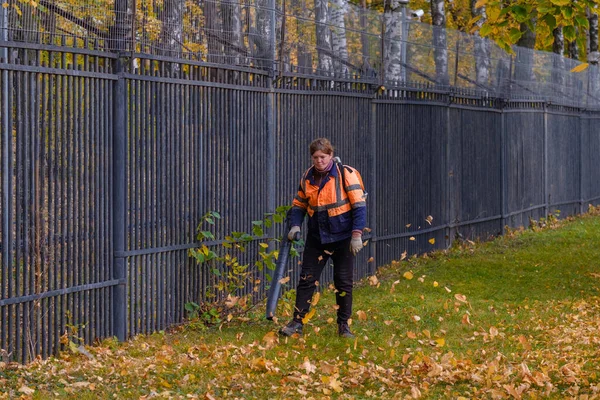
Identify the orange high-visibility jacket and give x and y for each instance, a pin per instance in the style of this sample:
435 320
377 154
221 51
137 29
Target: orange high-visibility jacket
334 211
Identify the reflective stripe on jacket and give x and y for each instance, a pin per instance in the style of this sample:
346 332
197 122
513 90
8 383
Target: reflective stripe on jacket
333 211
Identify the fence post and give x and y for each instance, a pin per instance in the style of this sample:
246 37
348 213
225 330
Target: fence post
119 311
503 172
546 191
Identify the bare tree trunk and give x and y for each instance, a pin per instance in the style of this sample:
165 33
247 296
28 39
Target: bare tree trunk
338 36
304 57
325 63
232 28
440 51
593 32
574 48
558 47
393 42
482 48
366 67
524 59
263 34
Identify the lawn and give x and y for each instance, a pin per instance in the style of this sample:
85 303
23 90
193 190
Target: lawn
517 317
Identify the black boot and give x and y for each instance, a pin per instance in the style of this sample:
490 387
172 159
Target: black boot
344 330
291 328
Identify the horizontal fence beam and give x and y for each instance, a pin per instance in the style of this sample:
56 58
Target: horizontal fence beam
59 292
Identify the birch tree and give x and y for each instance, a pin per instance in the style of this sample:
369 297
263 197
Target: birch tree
171 36
393 41
440 52
325 63
482 47
212 27
339 43
232 27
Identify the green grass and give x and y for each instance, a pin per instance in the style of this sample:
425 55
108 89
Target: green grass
515 317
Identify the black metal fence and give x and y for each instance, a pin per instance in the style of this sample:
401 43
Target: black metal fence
107 167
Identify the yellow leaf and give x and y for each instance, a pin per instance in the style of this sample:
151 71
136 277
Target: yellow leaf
412 238
370 260
5 5
435 284
263 245
362 316
440 342
580 68
427 333
408 275
18 10
308 316
480 3
432 240
315 298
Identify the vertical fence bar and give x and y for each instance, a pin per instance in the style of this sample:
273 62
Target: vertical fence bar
373 191
119 312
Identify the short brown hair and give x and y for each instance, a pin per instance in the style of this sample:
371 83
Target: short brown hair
321 144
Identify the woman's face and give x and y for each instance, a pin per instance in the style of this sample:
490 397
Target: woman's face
321 160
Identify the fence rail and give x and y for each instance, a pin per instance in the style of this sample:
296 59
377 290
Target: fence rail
108 163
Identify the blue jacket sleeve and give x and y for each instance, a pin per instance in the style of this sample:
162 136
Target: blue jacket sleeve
297 215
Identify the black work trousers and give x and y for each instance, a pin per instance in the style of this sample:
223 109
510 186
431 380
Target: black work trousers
314 259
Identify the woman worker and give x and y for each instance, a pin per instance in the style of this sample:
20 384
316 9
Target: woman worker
334 198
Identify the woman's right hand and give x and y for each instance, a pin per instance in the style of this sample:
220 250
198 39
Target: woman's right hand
292 233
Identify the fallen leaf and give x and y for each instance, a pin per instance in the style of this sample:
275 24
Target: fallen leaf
416 318
270 339
440 342
493 331
309 315
362 316
412 238
231 301
315 298
411 335
435 284
284 280
26 390
460 297
408 275
431 241
466 320
429 219
373 280
370 260
308 367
